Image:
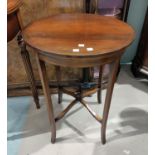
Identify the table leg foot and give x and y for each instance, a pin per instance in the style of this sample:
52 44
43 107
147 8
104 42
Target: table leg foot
53 139
36 100
103 139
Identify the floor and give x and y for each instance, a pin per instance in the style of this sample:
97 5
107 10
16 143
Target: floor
78 132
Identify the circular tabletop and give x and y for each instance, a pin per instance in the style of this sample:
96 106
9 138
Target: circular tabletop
78 35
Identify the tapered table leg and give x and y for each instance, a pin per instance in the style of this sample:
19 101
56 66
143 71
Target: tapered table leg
58 77
111 81
44 81
99 93
29 71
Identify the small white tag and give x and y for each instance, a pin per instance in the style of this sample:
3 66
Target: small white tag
81 45
90 49
76 50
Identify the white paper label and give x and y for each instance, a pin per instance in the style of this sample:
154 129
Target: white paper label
76 50
81 45
90 49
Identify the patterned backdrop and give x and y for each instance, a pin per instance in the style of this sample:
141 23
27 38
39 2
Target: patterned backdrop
30 11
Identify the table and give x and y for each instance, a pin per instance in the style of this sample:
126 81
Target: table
80 41
14 25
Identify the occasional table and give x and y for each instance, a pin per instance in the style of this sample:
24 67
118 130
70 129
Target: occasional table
78 41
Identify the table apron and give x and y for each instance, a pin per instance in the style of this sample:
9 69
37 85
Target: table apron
79 62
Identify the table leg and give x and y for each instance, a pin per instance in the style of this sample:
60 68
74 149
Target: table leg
85 75
87 4
45 85
29 71
111 81
99 93
58 77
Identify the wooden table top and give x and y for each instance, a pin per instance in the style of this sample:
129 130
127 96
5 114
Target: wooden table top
13 5
78 35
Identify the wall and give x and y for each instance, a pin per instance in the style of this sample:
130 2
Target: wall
136 17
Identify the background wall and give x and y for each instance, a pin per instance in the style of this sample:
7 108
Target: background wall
30 11
135 18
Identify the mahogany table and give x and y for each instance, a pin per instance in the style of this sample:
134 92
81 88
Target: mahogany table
79 41
14 25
